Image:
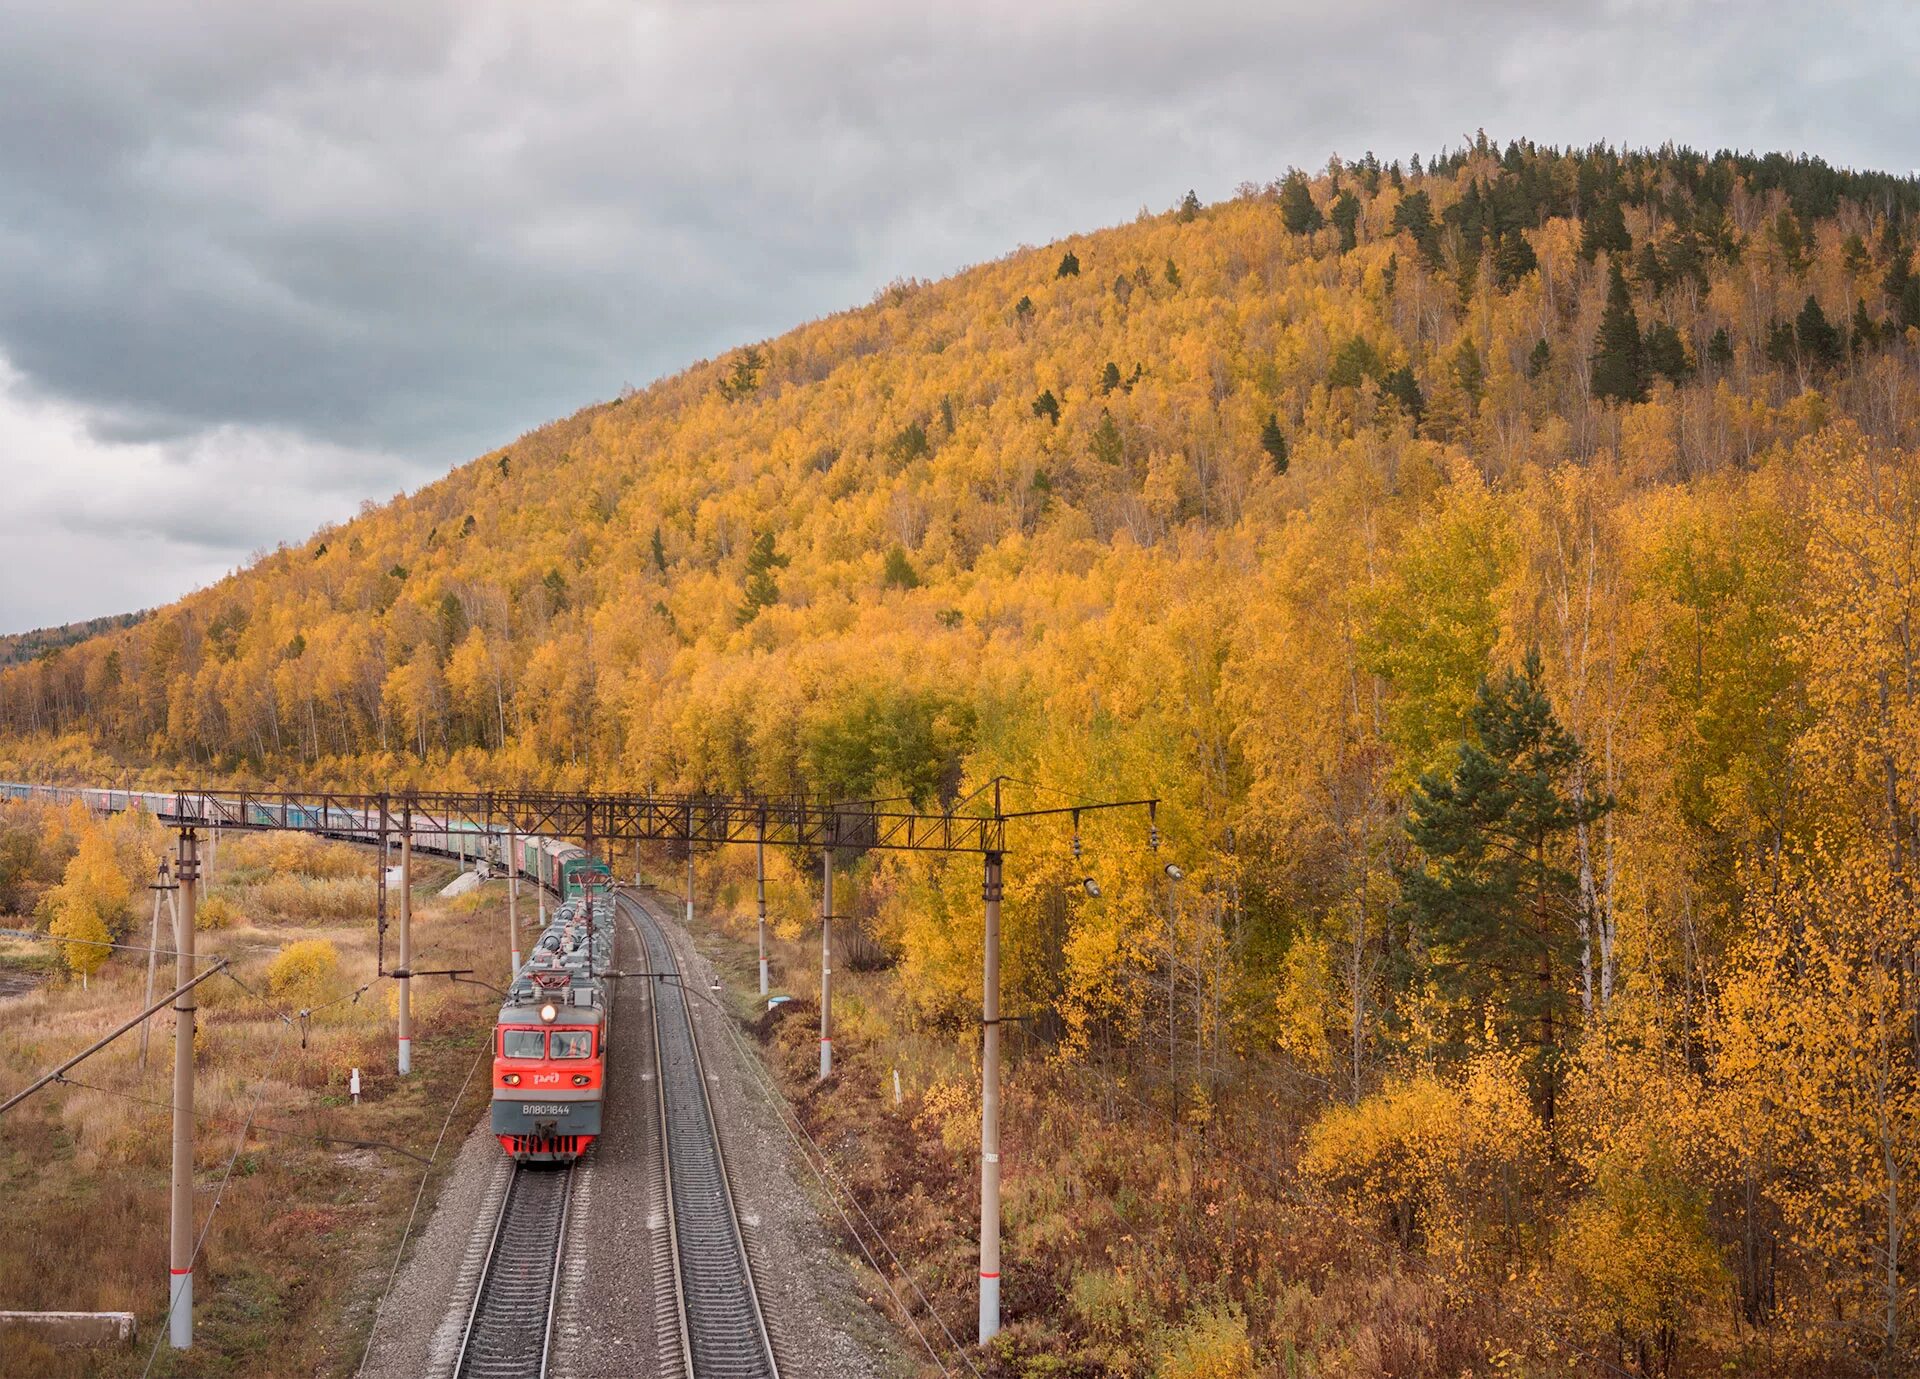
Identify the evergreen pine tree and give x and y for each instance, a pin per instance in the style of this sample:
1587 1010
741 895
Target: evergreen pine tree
1866 331
1189 207
1540 358
1274 441
1402 387
1109 378
1297 210
1108 447
1514 259
1346 219
1720 348
1069 266
1619 360
659 552
1780 347
1667 353
1604 229
761 589
1172 274
1819 342
1468 371
1048 406
1492 894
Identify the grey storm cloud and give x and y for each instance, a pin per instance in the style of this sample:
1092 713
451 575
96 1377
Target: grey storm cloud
347 244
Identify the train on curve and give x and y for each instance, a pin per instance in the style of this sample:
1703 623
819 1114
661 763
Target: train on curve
550 1045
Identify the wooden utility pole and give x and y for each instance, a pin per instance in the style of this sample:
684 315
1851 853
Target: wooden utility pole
404 971
180 1251
826 963
990 1104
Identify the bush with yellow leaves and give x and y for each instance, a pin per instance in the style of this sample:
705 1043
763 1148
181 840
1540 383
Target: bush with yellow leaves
306 972
1450 1164
1212 1345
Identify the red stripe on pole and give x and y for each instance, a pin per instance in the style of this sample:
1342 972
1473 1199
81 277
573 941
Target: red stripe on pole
985 1274
179 1271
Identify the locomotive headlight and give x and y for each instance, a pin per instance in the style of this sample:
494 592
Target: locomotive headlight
581 1079
547 1012
511 1079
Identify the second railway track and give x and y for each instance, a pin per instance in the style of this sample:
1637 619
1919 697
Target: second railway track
725 1330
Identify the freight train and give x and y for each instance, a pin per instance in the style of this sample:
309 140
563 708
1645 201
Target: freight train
550 1037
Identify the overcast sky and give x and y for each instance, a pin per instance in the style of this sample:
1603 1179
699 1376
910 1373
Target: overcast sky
261 261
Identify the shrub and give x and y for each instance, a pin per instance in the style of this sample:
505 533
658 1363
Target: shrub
306 972
1212 1345
215 912
1449 1164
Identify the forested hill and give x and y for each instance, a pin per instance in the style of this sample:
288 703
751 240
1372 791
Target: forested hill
1506 570
16 647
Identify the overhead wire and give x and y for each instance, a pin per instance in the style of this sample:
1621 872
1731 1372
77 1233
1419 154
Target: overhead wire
823 1170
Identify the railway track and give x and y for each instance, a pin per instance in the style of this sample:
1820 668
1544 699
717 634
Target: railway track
721 1319
509 1331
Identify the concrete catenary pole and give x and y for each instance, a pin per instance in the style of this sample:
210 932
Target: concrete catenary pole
826 963
760 885
162 894
689 883
990 1107
513 906
405 1060
180 1252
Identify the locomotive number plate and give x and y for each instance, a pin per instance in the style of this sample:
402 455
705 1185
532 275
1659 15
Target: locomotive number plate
535 1108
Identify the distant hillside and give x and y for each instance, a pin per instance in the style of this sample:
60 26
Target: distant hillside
1505 570
16 647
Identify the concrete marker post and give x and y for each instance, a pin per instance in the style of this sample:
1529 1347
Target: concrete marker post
404 1062
180 1248
826 964
513 907
990 1107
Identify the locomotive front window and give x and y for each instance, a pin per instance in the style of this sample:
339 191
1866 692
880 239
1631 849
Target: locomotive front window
523 1043
573 1043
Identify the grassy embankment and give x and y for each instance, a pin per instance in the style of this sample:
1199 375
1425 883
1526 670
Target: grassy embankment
300 1246
1133 1244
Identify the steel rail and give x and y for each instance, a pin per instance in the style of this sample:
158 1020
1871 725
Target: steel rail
725 1324
513 1302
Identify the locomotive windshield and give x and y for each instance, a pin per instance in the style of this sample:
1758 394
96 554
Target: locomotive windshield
523 1043
573 1043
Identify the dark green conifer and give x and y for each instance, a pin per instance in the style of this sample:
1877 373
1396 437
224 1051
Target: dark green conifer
1069 266
1492 894
1346 219
1189 207
1819 342
1274 441
1297 210
659 552
1514 259
1667 353
1540 359
1604 229
1866 330
1403 388
1619 359
1109 378
1048 406
1720 348
761 589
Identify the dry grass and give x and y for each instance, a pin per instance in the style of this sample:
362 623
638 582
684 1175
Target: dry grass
299 1246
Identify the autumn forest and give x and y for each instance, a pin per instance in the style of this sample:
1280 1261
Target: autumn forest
1505 569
